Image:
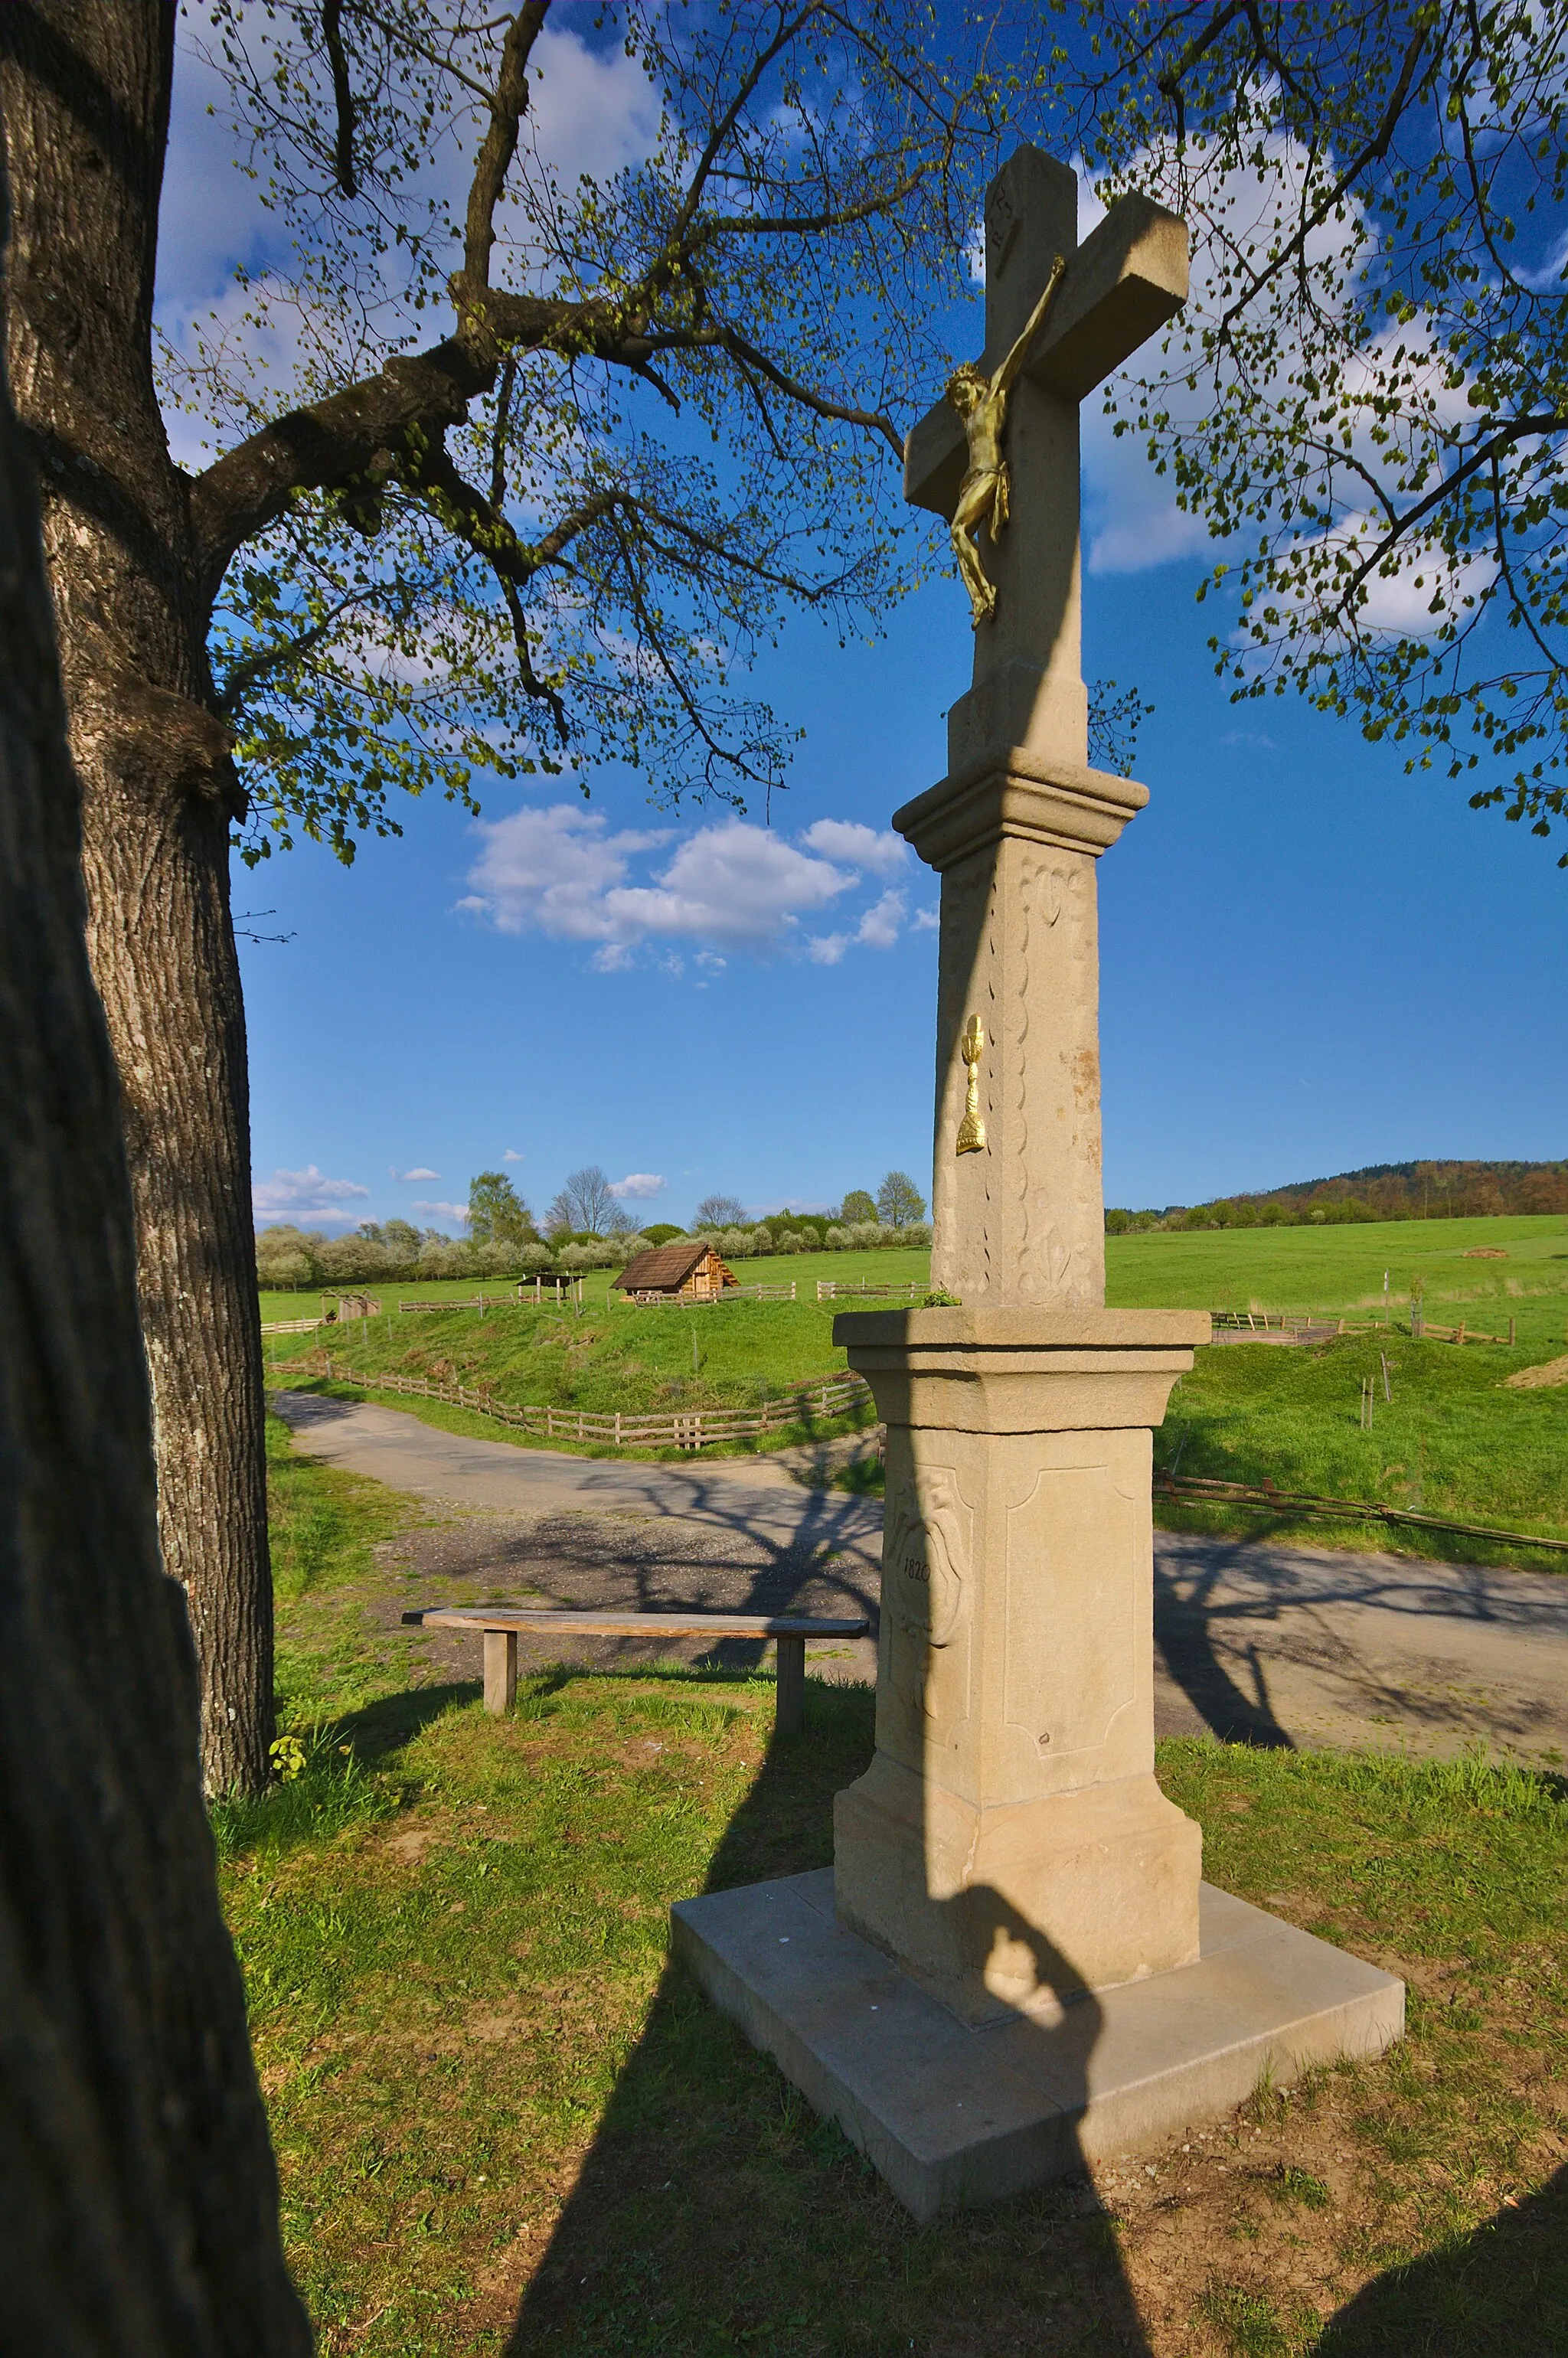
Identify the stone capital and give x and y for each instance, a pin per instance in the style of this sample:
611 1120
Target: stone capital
1062 804
1021 1370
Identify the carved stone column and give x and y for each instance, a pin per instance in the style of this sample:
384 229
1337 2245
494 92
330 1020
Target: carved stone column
1009 1845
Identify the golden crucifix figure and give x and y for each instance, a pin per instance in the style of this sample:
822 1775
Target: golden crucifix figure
981 402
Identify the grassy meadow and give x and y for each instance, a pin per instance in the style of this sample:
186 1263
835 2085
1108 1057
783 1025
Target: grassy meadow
1450 1437
505 2123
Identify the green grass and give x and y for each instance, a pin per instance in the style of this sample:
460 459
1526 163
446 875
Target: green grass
1341 1269
1456 1441
883 1268
617 1356
490 2097
1336 1269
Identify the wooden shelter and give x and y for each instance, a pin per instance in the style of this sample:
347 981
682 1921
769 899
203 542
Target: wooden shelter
690 1271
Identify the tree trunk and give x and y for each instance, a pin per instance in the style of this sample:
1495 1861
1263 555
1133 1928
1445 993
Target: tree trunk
138 2201
85 95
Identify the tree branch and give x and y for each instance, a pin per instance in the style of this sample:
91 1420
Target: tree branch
343 96
1373 152
1483 454
508 105
245 673
748 355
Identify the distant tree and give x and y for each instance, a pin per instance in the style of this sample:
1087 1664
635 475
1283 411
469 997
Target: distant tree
719 1212
663 1232
857 1205
497 1215
401 1239
899 1200
587 1202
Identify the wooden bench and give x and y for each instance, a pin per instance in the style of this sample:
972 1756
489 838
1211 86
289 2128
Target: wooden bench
500 1624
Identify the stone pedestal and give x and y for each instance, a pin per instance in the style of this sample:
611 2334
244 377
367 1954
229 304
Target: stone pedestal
1009 1845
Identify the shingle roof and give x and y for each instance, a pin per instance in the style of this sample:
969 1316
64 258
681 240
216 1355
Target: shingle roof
663 1267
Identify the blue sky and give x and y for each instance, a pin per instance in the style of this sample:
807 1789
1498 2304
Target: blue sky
1309 961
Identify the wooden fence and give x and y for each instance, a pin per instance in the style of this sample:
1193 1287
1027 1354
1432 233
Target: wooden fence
706 1301
1199 1489
844 1288
290 1325
680 1429
1322 1325
479 1302
1276 1326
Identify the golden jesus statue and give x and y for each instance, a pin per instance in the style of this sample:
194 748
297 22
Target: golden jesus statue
981 402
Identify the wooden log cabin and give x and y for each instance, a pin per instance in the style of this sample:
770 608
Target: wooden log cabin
690 1271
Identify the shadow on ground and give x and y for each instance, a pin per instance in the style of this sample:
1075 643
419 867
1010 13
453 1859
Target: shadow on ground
1502 2289
715 2212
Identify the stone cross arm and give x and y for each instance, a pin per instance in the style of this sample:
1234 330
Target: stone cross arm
1129 276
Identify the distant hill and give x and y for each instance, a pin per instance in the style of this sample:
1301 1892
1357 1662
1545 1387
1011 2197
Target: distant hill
1381 1191
1402 1191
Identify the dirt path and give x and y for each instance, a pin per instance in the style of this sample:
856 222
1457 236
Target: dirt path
1270 1645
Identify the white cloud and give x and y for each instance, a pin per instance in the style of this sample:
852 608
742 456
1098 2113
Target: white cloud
589 111
882 924
308 1194
418 1171
877 849
443 1211
731 886
639 1186
926 921
733 883
553 870
511 1155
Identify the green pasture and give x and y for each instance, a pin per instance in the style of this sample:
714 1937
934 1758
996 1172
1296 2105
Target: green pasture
504 2123
884 1268
1334 1268
1341 1269
1454 1440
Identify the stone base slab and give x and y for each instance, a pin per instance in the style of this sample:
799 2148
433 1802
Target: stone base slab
953 2116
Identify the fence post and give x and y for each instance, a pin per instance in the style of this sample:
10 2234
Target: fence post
618 1428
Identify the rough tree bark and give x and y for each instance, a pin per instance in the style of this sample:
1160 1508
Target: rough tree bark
85 94
138 2201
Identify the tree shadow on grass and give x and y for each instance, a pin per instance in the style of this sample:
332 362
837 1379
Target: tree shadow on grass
1502 2289
715 2212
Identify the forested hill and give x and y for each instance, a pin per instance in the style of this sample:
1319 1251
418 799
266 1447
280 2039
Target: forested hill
1382 1191
1393 1191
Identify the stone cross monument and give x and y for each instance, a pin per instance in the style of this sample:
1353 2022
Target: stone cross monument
1008 1863
1010 1846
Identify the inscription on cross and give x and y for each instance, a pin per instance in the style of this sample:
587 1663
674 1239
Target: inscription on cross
1019 822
